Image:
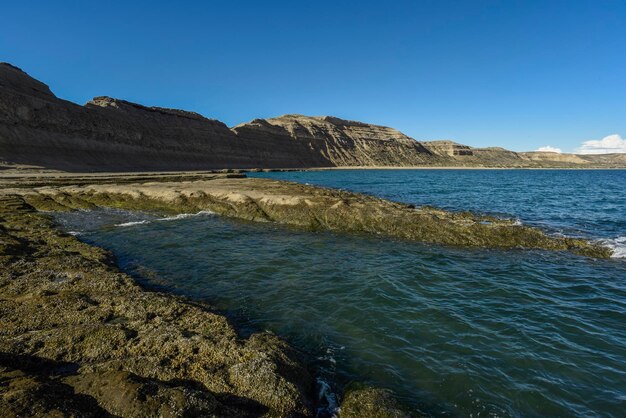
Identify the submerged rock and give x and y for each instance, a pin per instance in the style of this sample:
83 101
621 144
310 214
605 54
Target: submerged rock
372 402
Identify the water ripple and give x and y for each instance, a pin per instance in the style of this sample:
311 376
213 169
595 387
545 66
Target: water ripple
454 332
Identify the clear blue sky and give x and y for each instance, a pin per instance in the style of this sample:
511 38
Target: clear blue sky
518 74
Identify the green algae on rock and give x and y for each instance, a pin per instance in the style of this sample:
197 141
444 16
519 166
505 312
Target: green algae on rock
79 337
311 208
112 348
362 401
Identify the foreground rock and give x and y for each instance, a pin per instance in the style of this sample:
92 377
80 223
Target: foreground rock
79 338
372 402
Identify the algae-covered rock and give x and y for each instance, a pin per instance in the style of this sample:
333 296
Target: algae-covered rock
311 208
127 395
368 402
29 388
90 342
109 347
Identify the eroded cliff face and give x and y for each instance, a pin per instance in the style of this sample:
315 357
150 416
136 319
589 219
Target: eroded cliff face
343 142
459 155
37 128
594 160
107 134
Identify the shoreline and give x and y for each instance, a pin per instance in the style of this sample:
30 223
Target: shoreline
37 172
108 330
295 205
74 323
457 168
77 327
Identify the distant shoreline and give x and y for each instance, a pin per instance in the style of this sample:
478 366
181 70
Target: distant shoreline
449 168
36 172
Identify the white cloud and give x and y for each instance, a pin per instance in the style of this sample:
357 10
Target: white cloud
607 145
548 148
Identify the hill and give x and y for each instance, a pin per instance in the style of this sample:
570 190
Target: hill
108 134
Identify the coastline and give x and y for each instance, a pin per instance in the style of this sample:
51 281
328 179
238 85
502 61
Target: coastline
81 337
72 322
452 168
293 205
11 172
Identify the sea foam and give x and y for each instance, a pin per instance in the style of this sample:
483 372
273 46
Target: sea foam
618 245
326 395
125 224
186 215
168 218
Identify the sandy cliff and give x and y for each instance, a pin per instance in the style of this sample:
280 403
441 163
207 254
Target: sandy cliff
343 142
37 128
106 134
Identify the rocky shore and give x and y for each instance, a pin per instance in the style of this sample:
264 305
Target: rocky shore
291 204
80 338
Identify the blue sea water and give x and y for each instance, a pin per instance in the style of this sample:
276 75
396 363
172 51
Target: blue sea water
454 332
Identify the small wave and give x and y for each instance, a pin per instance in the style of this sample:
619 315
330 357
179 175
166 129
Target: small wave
618 245
74 233
125 224
186 215
168 218
328 397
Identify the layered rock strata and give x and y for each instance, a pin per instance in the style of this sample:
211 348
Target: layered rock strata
37 129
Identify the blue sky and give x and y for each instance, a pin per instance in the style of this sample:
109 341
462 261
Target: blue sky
517 74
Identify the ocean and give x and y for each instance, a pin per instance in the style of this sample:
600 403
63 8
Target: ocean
452 331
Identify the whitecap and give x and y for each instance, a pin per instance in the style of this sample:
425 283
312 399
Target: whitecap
131 223
618 245
186 215
168 218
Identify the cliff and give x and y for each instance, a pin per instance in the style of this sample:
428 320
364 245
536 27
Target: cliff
459 155
107 134
342 142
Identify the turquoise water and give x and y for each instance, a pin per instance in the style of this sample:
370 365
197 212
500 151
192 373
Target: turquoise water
454 332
